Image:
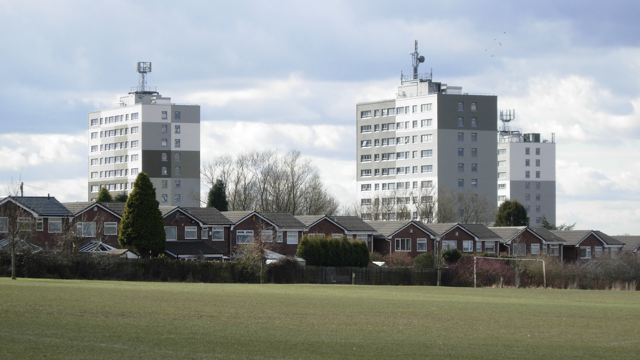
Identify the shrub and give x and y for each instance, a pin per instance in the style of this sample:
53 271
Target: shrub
488 272
285 271
376 256
423 261
319 251
399 260
451 256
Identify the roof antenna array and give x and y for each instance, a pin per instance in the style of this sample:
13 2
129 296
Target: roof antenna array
416 60
506 116
143 69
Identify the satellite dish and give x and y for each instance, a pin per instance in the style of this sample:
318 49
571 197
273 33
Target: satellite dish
421 59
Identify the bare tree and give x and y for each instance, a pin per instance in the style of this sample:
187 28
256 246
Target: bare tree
16 225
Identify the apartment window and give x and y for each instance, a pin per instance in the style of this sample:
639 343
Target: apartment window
134 144
422 242
414 109
527 185
537 208
164 157
366 172
177 129
527 197
414 124
585 252
460 122
527 174
164 170
376 113
164 115
55 225
527 162
460 167
474 122
217 234
176 115
502 198
537 174
502 186
244 236
502 151
176 198
177 157
292 237
527 151
490 247
376 142
474 137
165 184
176 143
537 151
365 114
177 170
366 143
171 232
460 136
365 202
537 197
427 168
165 129
460 152
134 116
538 162
177 184
365 129
376 127
474 106
474 167
415 170
427 138
94 148
391 112
365 187
400 110
467 245
537 186
111 228
460 105
426 153
460 183
95 188
94 135
94 122
403 244
365 158
474 183
134 130
376 172
94 175
535 249
384 112
474 152
426 122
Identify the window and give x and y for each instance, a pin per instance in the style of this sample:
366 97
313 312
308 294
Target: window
467 246
414 124
474 167
176 157
527 174
422 245
134 116
366 114
403 244
460 136
527 151
502 151
375 112
134 157
597 251
171 233
427 168
474 137
414 109
134 144
39 224
502 198
449 244
94 122
111 228
94 135
460 167
537 186
527 185
177 115
163 142
164 115
165 129
366 143
217 234
426 153
377 172
425 123
502 186
585 252
400 110
519 249
474 122
415 170
474 152
537 197
190 232
460 183
365 172
365 187
176 129
94 148
527 162
244 236
426 184
474 183
376 127
164 170
177 184
365 158
460 152
292 237
414 139
535 249
527 197
95 188
426 138
134 130
538 162
365 129
176 198
176 143
164 184
474 106
537 151
204 234
460 105
479 246
537 174
94 175
554 250
460 122
177 170
55 225
490 247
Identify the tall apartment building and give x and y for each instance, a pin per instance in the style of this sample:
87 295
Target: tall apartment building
147 133
527 171
428 137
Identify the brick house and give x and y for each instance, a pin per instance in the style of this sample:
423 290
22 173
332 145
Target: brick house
631 244
353 227
282 228
98 223
412 237
43 219
588 245
217 226
527 241
188 237
467 238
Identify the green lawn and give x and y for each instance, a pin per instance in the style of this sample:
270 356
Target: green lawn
123 320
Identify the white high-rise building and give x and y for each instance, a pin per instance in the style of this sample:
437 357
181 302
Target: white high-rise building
145 132
527 171
426 138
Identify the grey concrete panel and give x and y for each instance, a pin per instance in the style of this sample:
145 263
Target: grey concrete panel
188 113
189 163
547 201
486 113
151 136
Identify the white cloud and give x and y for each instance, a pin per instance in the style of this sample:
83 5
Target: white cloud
24 150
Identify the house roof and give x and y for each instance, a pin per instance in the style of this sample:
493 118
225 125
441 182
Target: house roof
547 235
95 246
574 237
236 216
388 228
209 216
166 209
348 223
80 206
480 231
632 242
182 248
441 228
507 233
20 245
307 220
281 220
41 205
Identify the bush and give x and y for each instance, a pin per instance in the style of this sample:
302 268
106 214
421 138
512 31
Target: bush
319 251
376 256
285 271
488 272
424 261
451 256
399 260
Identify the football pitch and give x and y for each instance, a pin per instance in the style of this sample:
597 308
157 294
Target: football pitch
60 319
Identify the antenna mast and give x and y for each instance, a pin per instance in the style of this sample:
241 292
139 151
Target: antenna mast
506 116
416 60
143 69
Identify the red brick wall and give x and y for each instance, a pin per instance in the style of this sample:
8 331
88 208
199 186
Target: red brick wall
100 216
256 223
572 253
459 235
527 238
414 233
43 238
325 227
180 220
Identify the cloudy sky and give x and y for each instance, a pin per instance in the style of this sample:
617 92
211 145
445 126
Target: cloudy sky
287 75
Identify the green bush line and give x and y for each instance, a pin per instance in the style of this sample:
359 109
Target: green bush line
320 251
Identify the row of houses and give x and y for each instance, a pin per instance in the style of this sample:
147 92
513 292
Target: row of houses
208 233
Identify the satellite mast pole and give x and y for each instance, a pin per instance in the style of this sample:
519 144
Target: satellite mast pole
416 60
143 69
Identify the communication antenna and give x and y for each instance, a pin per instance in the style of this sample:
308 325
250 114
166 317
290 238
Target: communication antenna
416 60
143 69
506 116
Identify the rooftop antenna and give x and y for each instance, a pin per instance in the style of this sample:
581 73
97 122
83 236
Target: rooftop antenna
506 116
416 60
143 69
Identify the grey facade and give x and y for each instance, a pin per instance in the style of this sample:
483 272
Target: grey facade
146 133
428 138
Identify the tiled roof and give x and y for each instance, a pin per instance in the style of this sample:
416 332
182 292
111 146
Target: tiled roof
191 248
547 235
573 237
166 209
441 228
386 228
352 223
632 242
481 232
507 233
209 216
307 220
236 216
282 220
42 205
79 206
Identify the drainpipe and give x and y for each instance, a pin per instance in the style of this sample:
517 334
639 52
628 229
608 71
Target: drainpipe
389 245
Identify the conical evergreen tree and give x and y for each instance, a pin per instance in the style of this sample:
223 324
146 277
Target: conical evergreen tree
512 213
141 225
218 196
104 196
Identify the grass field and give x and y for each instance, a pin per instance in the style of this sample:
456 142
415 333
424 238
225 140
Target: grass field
124 320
